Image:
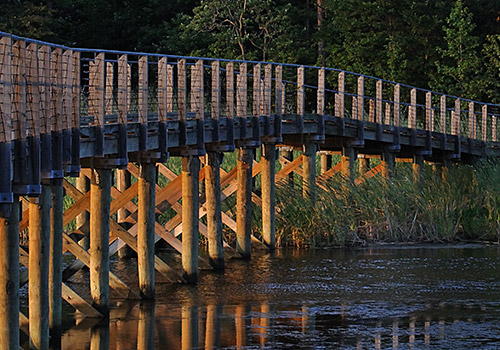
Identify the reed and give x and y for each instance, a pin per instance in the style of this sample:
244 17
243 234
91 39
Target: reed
464 206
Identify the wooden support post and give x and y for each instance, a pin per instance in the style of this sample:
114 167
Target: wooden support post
83 185
268 161
100 200
213 207
244 202
39 235
326 162
146 230
123 182
55 258
418 163
190 221
347 163
387 162
363 165
309 171
9 278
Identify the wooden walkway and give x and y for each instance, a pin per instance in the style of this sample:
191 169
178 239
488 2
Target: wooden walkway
108 118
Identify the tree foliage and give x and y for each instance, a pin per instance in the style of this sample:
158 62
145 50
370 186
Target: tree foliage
449 45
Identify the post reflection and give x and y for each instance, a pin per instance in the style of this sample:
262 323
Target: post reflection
189 327
146 327
213 327
99 337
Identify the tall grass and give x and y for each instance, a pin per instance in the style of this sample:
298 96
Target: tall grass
465 205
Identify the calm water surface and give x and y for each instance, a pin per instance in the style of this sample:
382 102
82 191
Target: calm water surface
373 298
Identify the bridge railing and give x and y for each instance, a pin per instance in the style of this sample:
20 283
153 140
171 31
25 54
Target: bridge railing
52 89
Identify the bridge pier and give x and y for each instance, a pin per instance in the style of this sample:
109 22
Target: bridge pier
309 170
55 256
363 164
418 163
146 229
388 162
326 162
9 275
347 163
190 221
268 161
244 202
100 200
213 207
39 237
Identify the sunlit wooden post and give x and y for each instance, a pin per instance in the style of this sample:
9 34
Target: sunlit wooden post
244 174
212 182
268 161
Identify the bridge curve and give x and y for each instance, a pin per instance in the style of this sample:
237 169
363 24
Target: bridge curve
81 112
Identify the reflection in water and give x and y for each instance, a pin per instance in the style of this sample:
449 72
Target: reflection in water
382 300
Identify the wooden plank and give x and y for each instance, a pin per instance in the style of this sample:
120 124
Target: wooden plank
78 302
455 125
287 169
230 90
197 90
5 89
378 102
320 98
429 120
122 92
143 90
279 91
216 91
484 123
19 90
472 121
371 173
108 104
442 107
67 89
330 172
256 90
24 323
33 80
241 94
301 92
267 93
387 114
341 95
76 91
181 89
397 95
371 111
494 128
125 197
412 117
97 90
45 93
361 97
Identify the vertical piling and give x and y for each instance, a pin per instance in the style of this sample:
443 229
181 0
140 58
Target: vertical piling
244 203
39 235
268 161
9 277
309 170
387 162
347 163
287 154
146 230
213 207
363 165
326 162
418 163
100 200
190 211
55 258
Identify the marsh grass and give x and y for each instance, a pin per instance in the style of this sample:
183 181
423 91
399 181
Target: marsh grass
465 205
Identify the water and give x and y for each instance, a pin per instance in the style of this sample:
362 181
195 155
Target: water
374 298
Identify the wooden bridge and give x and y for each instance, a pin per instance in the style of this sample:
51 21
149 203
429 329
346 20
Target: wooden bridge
92 114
